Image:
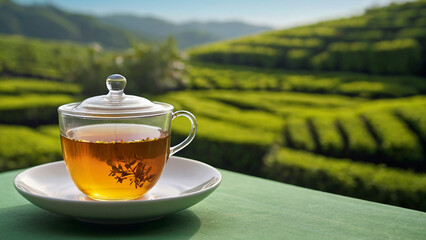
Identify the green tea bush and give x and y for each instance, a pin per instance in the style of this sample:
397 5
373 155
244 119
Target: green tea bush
415 117
371 89
364 35
298 135
237 55
252 56
224 82
32 100
297 58
330 142
310 83
402 22
409 13
31 109
397 143
389 105
343 176
320 61
201 83
402 56
372 86
280 103
49 130
412 32
360 143
201 77
351 84
308 32
28 85
357 22
226 78
224 144
421 22
22 147
282 43
216 110
348 56
261 81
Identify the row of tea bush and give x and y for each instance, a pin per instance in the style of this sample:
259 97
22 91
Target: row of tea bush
31 109
22 146
17 86
400 56
33 102
343 176
206 76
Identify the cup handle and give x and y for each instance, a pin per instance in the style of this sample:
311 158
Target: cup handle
192 133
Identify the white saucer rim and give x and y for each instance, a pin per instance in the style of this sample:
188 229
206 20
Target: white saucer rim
127 202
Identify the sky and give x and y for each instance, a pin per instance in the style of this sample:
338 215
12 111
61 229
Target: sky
273 13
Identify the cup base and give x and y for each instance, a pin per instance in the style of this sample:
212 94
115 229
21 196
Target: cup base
146 196
102 198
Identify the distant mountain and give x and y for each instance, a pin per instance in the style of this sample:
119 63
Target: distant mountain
187 34
155 27
116 31
49 22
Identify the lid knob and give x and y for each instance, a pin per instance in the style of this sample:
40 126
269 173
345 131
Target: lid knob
116 82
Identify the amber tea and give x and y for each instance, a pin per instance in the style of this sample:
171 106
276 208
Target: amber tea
115 161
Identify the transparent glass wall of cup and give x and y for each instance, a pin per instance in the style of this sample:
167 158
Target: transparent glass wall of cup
115 146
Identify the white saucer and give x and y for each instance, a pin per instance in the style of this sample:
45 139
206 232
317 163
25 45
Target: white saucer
184 182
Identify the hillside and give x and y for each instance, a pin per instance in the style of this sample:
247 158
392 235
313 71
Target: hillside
49 22
187 34
389 40
41 58
336 106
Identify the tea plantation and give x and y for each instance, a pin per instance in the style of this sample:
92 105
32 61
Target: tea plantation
389 40
337 106
34 57
348 93
25 104
319 144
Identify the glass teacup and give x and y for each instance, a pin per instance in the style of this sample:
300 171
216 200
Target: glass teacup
115 146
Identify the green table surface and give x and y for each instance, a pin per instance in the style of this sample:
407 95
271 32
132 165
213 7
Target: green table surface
243 207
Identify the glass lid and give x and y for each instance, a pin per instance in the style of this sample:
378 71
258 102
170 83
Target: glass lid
116 102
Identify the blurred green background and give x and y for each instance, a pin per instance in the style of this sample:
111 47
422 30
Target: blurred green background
337 106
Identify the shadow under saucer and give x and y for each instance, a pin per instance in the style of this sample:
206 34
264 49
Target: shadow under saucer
28 221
